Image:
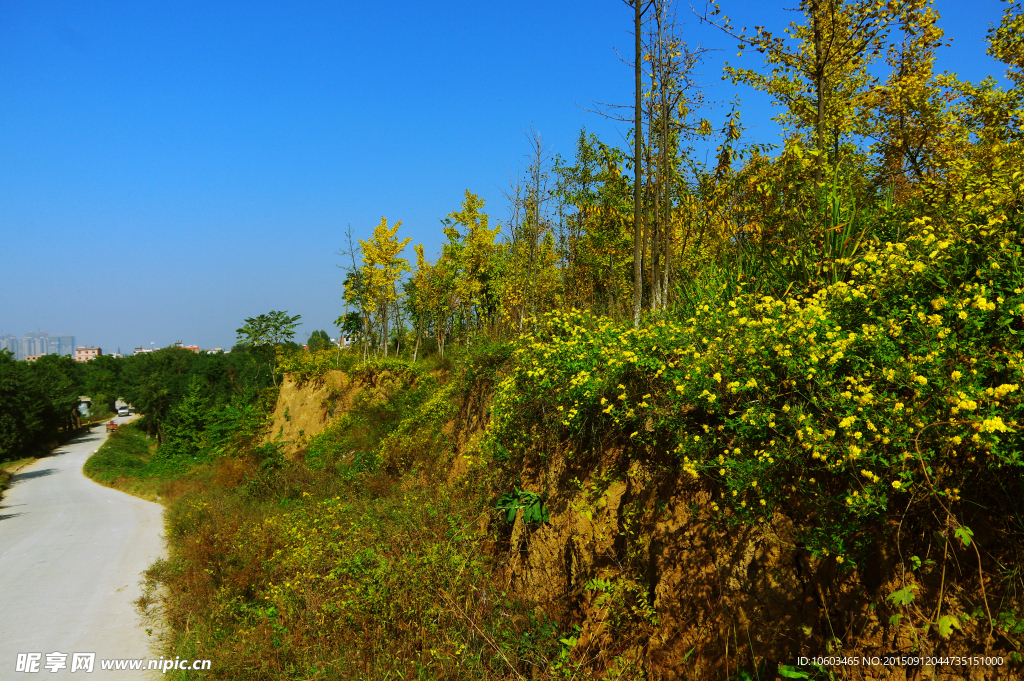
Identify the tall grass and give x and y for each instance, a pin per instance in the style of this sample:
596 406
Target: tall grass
814 248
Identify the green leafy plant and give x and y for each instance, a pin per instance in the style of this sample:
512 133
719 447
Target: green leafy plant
813 672
534 508
946 625
902 597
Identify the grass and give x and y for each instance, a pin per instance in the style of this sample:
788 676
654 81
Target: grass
128 461
377 581
358 562
17 463
5 480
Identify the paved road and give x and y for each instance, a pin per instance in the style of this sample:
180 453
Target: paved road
71 554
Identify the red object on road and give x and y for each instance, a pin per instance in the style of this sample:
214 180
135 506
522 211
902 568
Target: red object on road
111 427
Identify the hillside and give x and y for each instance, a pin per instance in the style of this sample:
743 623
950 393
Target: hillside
827 472
753 419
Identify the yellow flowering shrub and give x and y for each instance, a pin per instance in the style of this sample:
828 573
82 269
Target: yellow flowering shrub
823 404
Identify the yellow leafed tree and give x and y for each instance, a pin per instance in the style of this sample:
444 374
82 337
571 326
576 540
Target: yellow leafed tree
381 269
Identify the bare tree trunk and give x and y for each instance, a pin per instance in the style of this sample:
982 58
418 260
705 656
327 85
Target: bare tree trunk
657 80
666 177
400 327
651 218
637 133
819 88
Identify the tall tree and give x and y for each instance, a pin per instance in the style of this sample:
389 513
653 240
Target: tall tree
638 113
381 270
908 113
472 248
355 293
596 227
820 71
318 340
263 334
528 284
673 99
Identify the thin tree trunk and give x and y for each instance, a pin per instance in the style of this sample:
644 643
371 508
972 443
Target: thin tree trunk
666 177
657 80
637 134
819 88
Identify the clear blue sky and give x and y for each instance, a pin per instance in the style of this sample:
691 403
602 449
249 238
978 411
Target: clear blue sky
168 169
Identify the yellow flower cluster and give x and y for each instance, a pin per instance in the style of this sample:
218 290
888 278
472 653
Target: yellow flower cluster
842 380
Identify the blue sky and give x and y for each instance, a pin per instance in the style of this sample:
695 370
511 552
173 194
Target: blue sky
168 169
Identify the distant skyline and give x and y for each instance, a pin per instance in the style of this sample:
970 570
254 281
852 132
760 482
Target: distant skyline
167 170
35 343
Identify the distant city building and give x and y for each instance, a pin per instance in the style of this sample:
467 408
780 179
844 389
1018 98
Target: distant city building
32 358
9 342
142 351
86 354
193 348
213 351
36 344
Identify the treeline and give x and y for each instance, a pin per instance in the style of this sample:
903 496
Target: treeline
873 137
38 401
178 392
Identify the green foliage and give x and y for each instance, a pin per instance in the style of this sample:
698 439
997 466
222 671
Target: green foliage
265 333
38 402
307 366
187 422
155 383
902 597
319 340
964 534
946 624
1012 622
342 580
129 461
534 509
813 672
126 453
268 330
350 324
396 419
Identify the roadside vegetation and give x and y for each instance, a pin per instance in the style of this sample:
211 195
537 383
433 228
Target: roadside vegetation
128 461
38 404
690 424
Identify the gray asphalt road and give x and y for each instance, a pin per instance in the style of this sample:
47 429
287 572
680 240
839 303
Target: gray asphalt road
71 554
